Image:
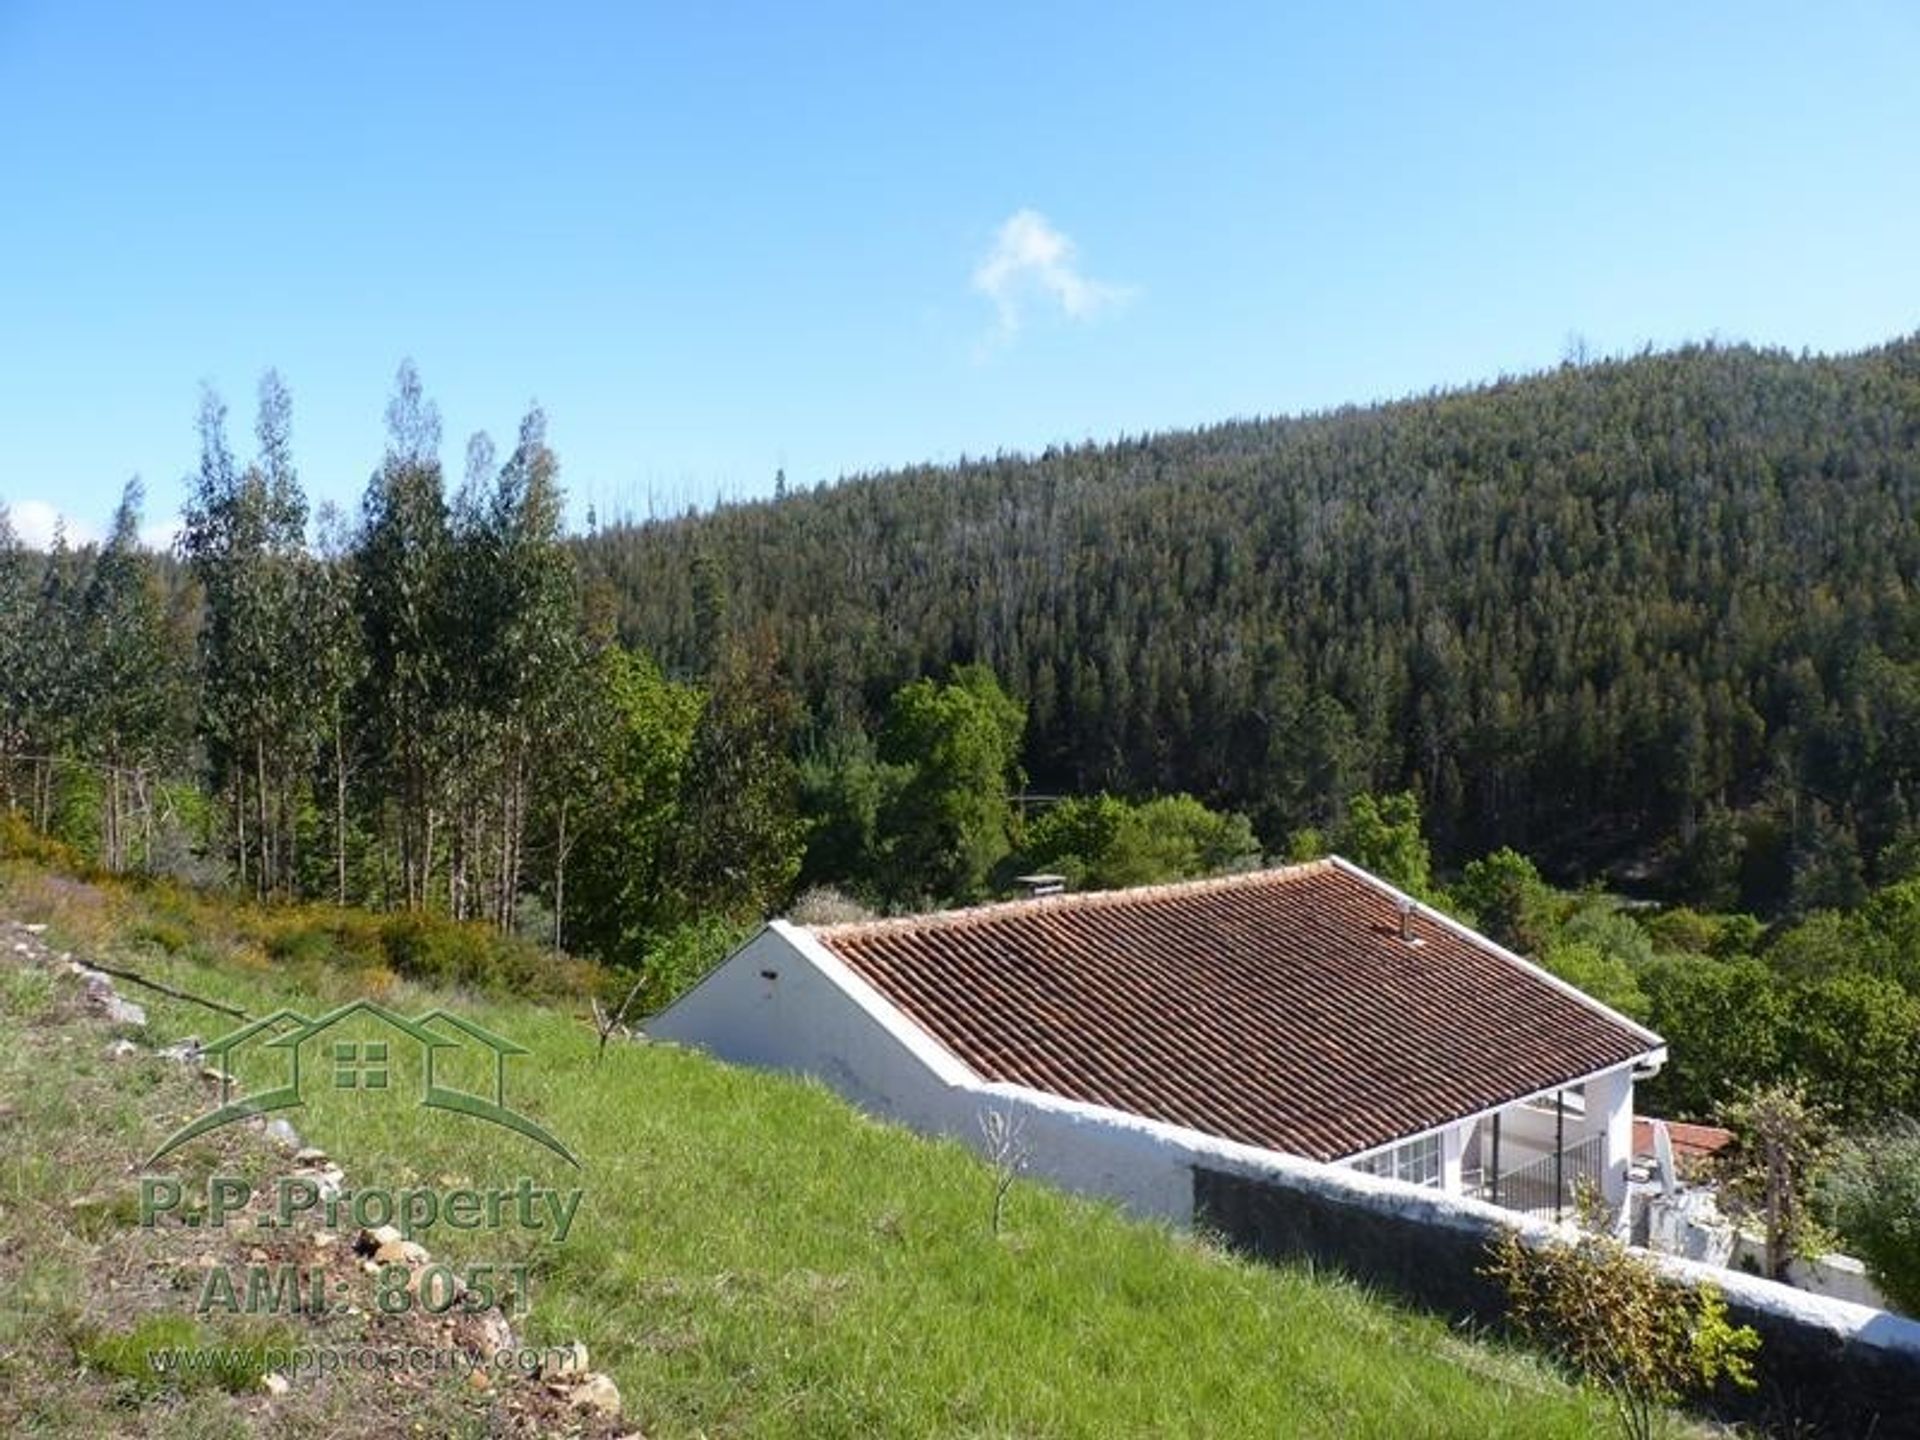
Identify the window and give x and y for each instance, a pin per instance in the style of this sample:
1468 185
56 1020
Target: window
1416 1161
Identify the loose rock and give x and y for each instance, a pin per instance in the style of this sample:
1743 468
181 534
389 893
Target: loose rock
369 1241
401 1252
597 1393
283 1134
572 1360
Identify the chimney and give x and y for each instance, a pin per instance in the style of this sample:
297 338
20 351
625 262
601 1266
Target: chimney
1406 924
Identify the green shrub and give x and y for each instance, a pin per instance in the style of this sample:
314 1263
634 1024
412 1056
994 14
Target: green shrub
1605 977
162 934
1871 1197
675 962
438 951
303 947
20 841
1618 1324
1504 896
424 949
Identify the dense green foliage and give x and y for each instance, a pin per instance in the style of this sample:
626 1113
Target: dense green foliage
1872 1200
1642 1338
1103 842
1660 610
956 745
1657 612
417 713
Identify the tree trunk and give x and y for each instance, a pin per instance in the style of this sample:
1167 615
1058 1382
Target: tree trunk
290 817
240 826
268 878
339 809
560 879
106 823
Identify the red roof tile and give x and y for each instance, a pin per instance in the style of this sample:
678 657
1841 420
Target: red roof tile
1690 1142
1280 1009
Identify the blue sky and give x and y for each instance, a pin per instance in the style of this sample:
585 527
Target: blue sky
714 240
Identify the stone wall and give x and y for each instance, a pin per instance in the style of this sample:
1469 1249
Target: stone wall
1825 1366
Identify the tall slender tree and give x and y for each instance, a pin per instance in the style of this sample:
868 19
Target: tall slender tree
535 654
400 571
15 608
738 839
335 658
244 538
50 681
127 696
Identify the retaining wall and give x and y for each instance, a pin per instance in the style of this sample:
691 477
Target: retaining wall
1825 1366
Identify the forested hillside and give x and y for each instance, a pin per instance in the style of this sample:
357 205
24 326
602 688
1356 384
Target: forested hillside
1655 616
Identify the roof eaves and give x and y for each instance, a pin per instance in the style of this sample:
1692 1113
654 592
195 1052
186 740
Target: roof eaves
1471 1115
1655 1043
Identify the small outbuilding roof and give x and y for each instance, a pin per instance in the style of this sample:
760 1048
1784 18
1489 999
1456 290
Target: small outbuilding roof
1312 1009
1692 1144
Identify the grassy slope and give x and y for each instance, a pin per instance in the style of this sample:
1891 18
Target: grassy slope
755 1258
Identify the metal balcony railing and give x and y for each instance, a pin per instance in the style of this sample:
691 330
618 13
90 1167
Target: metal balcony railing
1550 1185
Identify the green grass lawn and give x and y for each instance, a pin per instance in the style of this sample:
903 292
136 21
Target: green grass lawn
754 1257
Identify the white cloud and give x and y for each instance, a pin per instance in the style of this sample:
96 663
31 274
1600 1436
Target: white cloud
1032 265
34 522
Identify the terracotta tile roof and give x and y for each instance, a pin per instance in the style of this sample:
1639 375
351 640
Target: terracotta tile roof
1280 1009
1691 1143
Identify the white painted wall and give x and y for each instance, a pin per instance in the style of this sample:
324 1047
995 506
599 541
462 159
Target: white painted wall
1453 1144
1840 1277
1610 1111
817 1017
776 1006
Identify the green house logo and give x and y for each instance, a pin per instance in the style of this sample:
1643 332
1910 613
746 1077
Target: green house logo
306 1055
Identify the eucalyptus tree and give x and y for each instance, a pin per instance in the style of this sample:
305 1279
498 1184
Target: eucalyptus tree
127 696
513 652
48 684
243 537
470 724
14 610
535 656
400 571
334 654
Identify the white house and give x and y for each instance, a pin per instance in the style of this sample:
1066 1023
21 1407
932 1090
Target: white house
1312 1012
